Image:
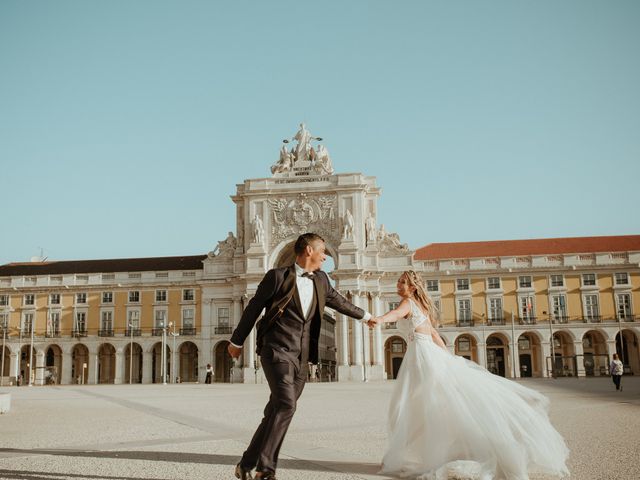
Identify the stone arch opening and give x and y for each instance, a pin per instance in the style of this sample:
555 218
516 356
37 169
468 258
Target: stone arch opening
27 358
223 363
564 357
497 347
466 346
188 369
595 358
53 364
530 355
80 364
133 363
627 349
394 349
285 256
106 363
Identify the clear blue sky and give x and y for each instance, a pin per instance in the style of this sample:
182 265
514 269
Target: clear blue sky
125 125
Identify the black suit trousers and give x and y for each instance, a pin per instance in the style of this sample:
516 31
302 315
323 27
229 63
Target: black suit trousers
286 382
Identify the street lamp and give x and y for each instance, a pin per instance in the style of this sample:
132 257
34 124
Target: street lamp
173 352
131 353
553 349
163 354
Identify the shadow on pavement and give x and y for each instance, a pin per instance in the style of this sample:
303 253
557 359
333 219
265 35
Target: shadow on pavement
179 457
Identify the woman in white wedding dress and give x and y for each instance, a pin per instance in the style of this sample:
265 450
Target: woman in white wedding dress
451 418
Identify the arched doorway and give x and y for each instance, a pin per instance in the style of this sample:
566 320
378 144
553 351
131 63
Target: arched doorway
222 363
133 364
497 354
26 356
106 363
394 350
595 358
156 362
80 364
628 351
466 346
53 364
188 370
565 364
530 355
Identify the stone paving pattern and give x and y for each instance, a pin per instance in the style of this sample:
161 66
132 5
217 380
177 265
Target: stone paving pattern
191 431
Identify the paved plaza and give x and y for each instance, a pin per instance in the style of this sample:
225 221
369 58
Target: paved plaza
191 431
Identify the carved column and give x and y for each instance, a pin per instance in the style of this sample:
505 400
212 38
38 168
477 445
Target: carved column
356 328
378 351
546 362
39 372
147 366
14 366
117 380
92 368
344 339
514 359
65 374
579 356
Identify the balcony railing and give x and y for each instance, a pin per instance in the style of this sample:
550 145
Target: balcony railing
222 330
156 331
52 334
528 320
79 333
132 331
626 318
105 332
465 323
562 319
188 331
495 321
390 325
592 319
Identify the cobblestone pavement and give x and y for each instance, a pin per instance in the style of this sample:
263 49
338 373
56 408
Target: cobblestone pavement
122 432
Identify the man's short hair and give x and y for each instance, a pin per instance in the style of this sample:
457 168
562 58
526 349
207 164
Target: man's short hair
304 240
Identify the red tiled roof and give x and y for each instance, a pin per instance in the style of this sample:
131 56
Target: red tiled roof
193 262
541 246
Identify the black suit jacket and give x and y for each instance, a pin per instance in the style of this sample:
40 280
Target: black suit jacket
283 337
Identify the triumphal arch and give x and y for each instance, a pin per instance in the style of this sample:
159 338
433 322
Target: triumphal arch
306 194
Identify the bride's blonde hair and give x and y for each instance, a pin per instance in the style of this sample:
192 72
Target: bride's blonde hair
422 297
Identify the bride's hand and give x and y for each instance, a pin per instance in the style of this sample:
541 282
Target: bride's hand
372 322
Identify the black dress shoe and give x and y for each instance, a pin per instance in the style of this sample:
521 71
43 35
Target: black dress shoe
242 473
266 476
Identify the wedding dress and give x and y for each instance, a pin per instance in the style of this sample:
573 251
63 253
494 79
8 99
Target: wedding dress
449 418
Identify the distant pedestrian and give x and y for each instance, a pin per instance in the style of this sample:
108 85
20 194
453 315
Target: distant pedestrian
209 373
616 370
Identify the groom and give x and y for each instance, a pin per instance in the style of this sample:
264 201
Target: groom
293 298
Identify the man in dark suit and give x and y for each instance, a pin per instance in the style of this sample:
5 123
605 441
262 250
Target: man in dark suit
293 298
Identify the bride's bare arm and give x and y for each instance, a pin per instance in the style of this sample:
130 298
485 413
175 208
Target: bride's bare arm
394 315
435 336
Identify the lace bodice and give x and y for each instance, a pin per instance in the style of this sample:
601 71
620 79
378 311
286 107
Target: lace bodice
416 317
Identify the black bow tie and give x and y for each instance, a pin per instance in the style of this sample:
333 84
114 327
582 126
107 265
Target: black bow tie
307 274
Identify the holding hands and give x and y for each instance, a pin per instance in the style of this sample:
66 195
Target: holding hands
373 321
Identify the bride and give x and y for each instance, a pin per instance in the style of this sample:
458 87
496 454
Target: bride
451 418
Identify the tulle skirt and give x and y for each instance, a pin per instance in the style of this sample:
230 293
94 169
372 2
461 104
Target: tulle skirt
451 418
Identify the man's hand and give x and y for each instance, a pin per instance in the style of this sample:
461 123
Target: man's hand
372 322
234 351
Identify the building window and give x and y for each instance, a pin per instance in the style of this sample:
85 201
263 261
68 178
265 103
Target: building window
462 284
133 319
591 308
162 274
524 281
107 297
134 296
54 299
4 321
160 318
433 286
223 316
464 345
527 309
495 309
589 280
27 323
621 278
4 300
559 308
464 310
187 318
80 326
188 295
81 298
557 281
493 283
397 346
624 306
29 299
161 295
53 324
106 323
135 275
